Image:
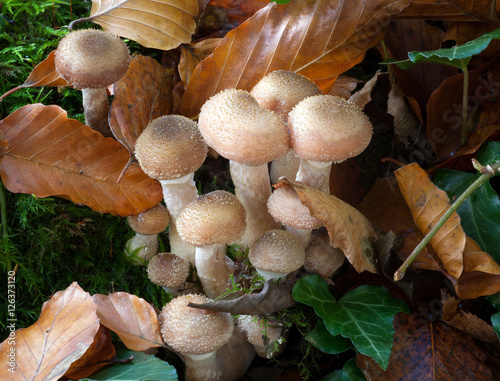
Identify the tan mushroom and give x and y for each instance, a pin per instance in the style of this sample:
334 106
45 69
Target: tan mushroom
91 60
266 337
168 271
326 129
170 150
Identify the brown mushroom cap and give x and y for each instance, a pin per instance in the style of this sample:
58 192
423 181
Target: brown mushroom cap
277 251
151 221
262 334
217 217
170 147
281 90
167 270
233 123
328 128
192 330
285 206
90 58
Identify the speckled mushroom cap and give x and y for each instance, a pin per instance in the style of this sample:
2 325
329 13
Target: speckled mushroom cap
285 206
194 331
281 90
170 147
328 128
277 251
217 217
90 58
151 221
233 123
262 334
167 270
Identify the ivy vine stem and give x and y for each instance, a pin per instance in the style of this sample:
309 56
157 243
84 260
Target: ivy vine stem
487 173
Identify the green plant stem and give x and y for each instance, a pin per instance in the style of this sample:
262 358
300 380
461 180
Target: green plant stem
386 56
465 105
493 169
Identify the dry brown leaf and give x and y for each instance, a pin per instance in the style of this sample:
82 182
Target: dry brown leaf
65 329
143 94
406 124
319 39
456 10
344 86
427 204
428 351
157 24
133 319
465 321
273 298
45 74
101 353
363 95
348 229
51 155
192 54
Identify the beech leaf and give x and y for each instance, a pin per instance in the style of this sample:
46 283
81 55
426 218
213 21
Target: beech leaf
319 39
427 204
45 74
272 298
348 229
157 24
192 54
429 351
51 155
143 94
63 332
133 319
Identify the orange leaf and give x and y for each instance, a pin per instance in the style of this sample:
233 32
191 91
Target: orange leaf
319 39
192 54
427 204
63 332
157 24
45 74
51 155
101 353
133 319
143 94
348 229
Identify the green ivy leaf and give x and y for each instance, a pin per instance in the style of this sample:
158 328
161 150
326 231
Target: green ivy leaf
324 341
350 372
480 213
364 314
142 367
458 56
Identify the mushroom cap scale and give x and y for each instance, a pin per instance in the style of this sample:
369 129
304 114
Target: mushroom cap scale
277 251
327 128
151 221
217 217
233 123
170 147
167 270
194 331
91 58
281 90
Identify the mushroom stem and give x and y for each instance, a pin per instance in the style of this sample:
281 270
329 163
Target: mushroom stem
253 187
202 367
96 109
286 166
315 174
304 235
214 269
177 193
147 245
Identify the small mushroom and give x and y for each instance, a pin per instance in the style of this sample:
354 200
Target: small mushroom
321 258
276 254
196 334
234 125
266 337
170 150
147 225
210 223
326 129
168 271
91 60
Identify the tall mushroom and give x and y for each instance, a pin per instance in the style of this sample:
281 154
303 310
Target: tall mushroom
196 334
326 129
233 123
280 91
91 60
210 223
170 150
